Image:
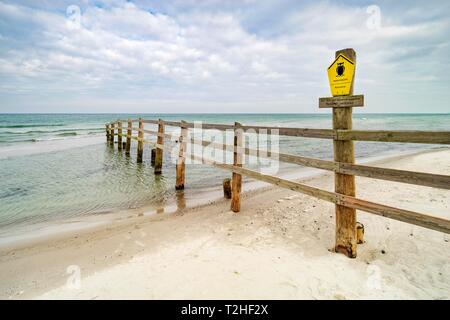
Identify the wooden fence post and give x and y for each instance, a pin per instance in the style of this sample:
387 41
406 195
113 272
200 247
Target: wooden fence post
181 161
346 237
129 133
159 151
226 188
140 148
237 161
107 132
153 157
111 140
119 135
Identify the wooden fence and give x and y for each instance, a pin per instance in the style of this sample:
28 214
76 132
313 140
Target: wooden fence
345 170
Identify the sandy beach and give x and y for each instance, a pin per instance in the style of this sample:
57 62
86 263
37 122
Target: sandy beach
277 247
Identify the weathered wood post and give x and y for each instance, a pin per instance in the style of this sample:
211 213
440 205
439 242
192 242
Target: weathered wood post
107 132
159 146
153 157
226 188
341 76
360 233
181 161
140 147
129 134
237 161
344 151
111 140
119 135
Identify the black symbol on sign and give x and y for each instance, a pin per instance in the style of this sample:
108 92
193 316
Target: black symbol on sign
340 69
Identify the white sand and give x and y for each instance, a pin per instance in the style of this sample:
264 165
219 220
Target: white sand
277 247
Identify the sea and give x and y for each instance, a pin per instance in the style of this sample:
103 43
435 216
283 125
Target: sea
59 168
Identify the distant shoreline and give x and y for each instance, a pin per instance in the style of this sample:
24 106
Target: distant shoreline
219 113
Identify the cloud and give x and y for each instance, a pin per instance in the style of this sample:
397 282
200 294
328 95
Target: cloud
182 56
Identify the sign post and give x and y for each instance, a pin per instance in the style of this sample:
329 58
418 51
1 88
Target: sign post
341 75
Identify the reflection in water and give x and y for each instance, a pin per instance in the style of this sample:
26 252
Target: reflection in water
80 181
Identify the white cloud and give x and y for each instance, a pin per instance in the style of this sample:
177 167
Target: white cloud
125 53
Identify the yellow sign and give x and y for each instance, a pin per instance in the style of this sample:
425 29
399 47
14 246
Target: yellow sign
340 75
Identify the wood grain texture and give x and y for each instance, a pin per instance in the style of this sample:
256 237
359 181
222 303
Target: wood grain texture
344 152
152 157
129 133
420 219
342 101
226 188
407 136
181 161
140 147
119 135
236 181
159 151
111 138
107 132
404 176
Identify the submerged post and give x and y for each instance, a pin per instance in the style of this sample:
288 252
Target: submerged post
152 157
129 133
140 148
237 161
107 132
111 140
119 135
159 147
181 163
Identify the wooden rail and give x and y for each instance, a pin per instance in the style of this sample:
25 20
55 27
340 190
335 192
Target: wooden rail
349 232
402 136
344 168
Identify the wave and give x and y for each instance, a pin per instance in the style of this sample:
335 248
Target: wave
31 125
67 134
46 139
61 136
50 131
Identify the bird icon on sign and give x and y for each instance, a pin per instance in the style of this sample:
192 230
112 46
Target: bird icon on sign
340 75
340 69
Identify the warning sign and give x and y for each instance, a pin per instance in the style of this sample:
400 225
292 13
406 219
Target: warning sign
340 75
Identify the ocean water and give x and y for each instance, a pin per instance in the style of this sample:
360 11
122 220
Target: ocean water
58 166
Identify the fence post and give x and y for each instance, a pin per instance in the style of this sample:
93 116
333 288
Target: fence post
181 161
111 140
237 161
119 135
159 151
140 148
107 132
227 188
346 237
129 133
153 157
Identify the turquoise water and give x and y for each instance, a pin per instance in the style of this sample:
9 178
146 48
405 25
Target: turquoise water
59 166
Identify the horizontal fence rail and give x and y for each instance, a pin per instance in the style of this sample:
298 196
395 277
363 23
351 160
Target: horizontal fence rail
420 219
402 136
125 130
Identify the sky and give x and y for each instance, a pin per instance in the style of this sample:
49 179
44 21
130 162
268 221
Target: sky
226 56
